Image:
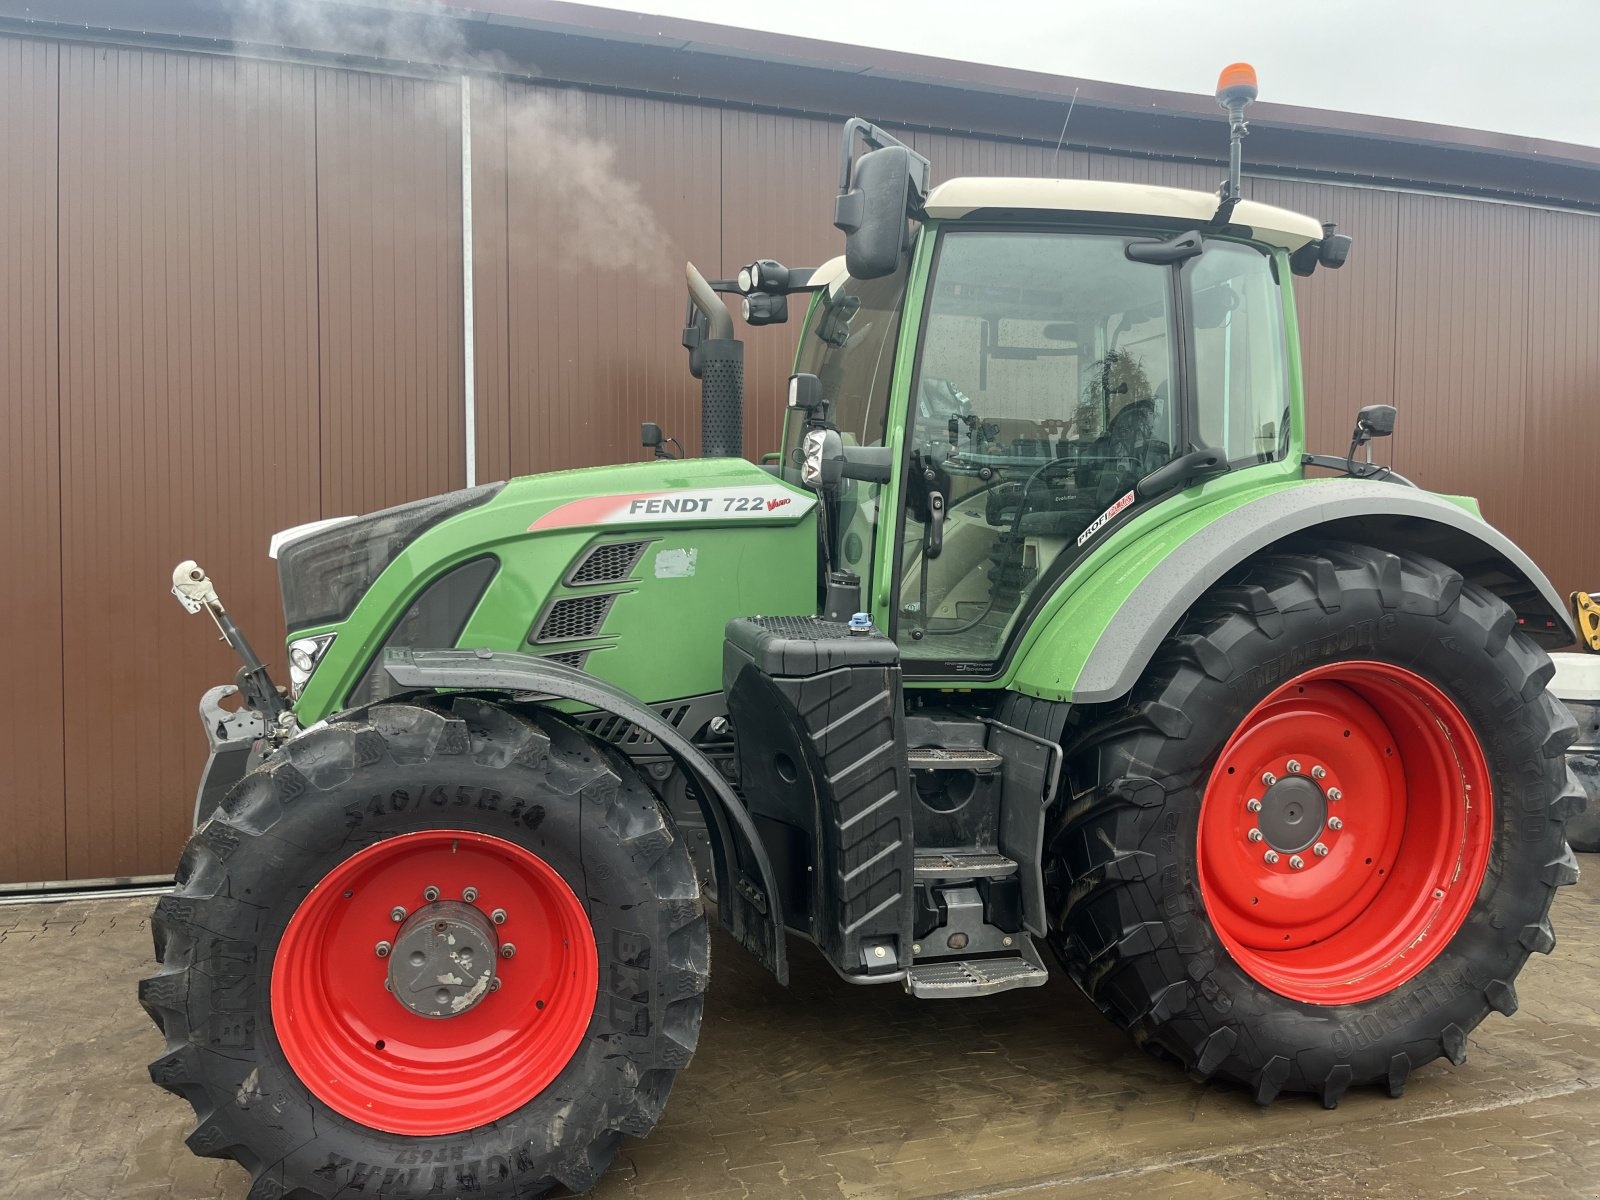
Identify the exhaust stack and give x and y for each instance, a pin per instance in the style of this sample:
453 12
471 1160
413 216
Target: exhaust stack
716 359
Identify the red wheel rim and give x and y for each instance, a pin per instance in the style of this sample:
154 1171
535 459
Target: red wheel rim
365 1054
1391 800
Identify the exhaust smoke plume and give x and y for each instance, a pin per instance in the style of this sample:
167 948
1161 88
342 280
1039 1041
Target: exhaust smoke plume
566 181
566 178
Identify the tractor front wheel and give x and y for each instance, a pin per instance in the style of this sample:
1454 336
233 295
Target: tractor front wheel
1318 844
438 949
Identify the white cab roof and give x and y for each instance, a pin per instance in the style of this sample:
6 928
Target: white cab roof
962 197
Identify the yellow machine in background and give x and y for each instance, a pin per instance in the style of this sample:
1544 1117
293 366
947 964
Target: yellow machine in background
1587 613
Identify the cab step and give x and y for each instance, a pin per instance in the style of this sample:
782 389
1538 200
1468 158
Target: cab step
934 758
963 864
949 979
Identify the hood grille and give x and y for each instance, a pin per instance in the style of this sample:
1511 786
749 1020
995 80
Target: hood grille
573 618
607 564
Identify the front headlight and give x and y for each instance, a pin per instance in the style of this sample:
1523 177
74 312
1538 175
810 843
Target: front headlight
304 655
821 447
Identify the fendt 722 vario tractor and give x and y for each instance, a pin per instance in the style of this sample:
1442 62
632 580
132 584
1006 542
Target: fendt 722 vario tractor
1041 628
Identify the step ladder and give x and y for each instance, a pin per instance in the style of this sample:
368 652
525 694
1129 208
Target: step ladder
949 978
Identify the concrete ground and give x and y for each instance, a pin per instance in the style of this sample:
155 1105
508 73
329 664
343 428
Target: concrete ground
829 1091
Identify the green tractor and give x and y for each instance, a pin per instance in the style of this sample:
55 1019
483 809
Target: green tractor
1037 630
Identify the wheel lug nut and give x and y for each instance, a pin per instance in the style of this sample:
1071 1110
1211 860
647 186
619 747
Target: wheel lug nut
397 914
1320 850
1254 835
1296 863
382 949
1335 794
1253 804
430 894
1270 857
498 916
1268 778
1294 766
1319 772
508 950
469 894
1335 824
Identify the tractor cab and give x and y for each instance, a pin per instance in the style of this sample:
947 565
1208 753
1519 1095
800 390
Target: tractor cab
1051 360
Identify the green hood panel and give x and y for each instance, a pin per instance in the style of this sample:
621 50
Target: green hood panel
724 538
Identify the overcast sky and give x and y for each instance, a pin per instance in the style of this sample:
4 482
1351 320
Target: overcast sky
1529 66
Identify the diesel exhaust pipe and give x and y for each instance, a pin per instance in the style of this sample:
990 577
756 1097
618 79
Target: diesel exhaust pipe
716 359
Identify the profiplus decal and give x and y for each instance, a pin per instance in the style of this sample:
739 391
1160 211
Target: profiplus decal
1099 522
678 507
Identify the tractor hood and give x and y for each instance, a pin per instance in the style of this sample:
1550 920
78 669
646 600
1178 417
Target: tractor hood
628 572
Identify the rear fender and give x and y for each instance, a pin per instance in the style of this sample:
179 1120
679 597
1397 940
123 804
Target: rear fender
747 893
1138 597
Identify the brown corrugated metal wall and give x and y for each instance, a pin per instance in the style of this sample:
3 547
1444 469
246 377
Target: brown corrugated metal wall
234 303
32 812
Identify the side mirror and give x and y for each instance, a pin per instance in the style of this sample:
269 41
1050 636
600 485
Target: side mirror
874 212
805 394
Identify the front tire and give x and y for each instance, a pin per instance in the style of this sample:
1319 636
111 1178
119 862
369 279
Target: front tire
326 989
1318 844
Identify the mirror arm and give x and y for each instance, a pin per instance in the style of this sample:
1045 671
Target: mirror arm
870 464
1332 462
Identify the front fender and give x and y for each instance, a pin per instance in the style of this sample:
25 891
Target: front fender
747 892
1098 643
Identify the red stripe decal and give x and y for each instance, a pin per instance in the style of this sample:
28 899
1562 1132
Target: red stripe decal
591 510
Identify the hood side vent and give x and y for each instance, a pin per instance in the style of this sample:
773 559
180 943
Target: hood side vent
573 618
609 563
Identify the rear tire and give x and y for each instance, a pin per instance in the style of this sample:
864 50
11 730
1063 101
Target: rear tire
1166 924
261 970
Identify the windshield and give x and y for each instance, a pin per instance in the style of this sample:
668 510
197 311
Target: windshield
848 344
1048 385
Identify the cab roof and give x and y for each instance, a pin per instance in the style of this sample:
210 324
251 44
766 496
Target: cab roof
959 198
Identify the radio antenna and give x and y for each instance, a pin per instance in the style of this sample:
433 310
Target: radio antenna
1063 136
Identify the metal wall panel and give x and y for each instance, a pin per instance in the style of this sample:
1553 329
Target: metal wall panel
257 270
491 281
1461 355
189 409
1547 505
606 197
779 178
32 752
389 290
1348 316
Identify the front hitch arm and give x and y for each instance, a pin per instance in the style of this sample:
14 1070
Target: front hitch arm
195 592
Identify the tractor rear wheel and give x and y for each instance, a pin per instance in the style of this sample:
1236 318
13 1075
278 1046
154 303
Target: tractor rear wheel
429 950
1320 840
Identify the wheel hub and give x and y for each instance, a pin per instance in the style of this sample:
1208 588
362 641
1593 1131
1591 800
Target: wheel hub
443 960
1293 812
433 1022
1345 831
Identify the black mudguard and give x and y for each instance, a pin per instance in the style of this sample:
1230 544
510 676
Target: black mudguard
747 894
